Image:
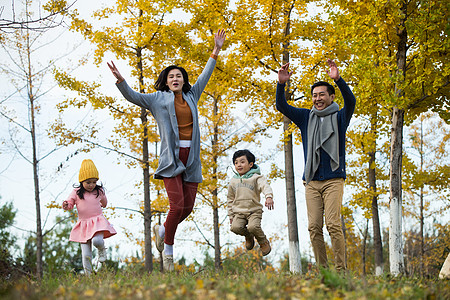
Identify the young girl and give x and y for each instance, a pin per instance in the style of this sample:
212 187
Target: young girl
92 227
174 107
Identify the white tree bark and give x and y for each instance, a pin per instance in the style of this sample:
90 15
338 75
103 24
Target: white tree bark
295 265
395 204
395 237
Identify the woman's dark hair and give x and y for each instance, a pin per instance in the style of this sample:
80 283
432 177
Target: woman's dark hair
330 88
250 157
161 83
80 193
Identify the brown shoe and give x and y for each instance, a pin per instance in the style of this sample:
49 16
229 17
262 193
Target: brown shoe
265 248
249 241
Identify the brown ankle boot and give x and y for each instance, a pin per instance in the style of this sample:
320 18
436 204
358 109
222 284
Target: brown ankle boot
265 247
249 242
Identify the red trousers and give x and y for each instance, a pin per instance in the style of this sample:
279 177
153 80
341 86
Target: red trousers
181 200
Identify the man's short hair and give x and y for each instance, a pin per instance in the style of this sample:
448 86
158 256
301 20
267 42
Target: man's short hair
330 88
246 153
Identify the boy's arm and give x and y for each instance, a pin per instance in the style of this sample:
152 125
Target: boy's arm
266 189
230 201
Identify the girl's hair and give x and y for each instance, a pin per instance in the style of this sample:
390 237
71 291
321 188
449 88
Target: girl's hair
250 157
161 83
81 190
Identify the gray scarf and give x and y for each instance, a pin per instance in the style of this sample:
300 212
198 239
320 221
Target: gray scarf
322 134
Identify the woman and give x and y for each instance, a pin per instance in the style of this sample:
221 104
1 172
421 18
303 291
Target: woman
174 107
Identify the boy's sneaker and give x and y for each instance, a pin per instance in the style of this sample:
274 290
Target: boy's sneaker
102 254
168 262
159 241
249 241
265 247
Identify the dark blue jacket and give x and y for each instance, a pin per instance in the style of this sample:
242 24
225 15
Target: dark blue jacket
300 117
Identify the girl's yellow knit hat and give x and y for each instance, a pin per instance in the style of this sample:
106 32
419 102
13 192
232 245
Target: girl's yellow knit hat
87 170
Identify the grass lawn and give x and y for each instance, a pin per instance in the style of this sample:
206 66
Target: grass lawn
208 284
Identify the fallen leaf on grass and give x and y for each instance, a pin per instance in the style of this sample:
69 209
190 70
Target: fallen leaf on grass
89 293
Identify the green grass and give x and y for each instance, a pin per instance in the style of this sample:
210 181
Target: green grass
208 284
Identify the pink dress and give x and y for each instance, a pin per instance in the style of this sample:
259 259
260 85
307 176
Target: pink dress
90 217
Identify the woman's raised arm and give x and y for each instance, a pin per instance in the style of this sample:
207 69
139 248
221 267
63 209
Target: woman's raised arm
219 39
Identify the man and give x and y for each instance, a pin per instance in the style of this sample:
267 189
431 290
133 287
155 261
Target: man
323 131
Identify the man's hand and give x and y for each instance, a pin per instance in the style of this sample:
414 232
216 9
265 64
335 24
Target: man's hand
284 74
333 72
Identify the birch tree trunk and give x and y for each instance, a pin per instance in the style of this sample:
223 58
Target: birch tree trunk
295 264
375 216
145 167
422 208
35 162
217 260
395 203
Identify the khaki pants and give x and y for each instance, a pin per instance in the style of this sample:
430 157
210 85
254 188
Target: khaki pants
245 224
325 198
445 271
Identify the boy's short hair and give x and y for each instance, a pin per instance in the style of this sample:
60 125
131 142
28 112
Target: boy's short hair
250 157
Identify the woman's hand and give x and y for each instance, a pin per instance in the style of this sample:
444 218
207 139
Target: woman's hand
65 205
115 72
284 74
219 39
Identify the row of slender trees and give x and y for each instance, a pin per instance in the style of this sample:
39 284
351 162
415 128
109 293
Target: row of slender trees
393 54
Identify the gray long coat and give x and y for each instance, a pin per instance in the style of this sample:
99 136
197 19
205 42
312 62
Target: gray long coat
162 107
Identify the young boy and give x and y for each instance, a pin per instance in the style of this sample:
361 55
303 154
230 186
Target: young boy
244 209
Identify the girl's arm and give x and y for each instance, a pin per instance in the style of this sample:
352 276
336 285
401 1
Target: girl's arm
70 202
103 200
65 205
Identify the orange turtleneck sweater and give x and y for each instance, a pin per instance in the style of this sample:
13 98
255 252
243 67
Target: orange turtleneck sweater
184 118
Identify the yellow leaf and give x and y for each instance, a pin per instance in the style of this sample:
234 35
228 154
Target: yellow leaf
89 293
200 284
